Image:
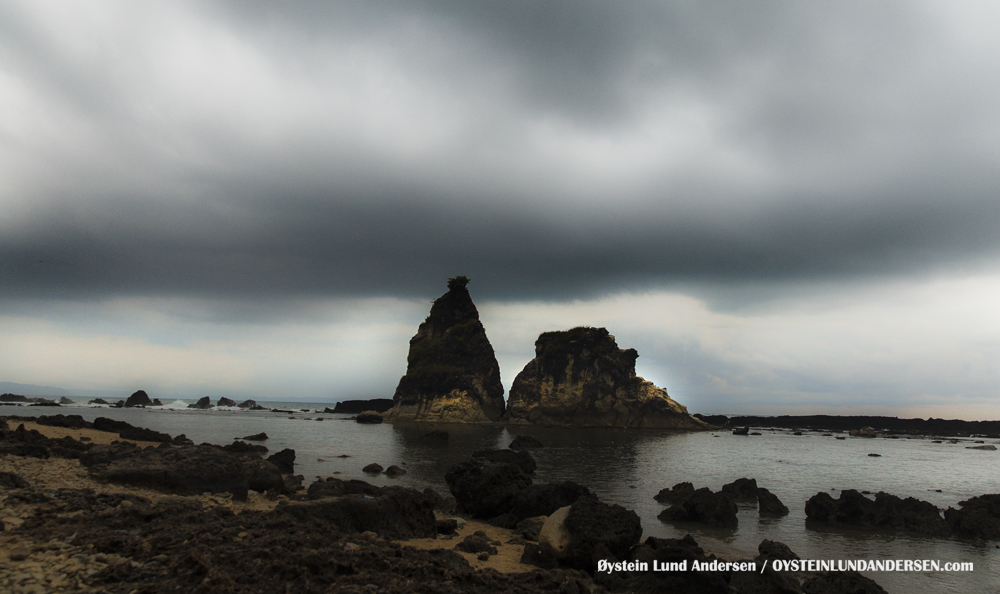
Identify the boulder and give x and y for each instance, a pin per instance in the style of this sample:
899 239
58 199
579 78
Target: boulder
525 442
767 580
13 398
703 506
334 487
530 528
372 468
139 398
284 460
887 511
250 404
129 431
581 378
256 437
769 504
156 402
741 431
523 460
675 550
678 492
580 534
540 500
186 470
262 476
978 517
242 447
67 421
369 417
98 401
742 489
394 471
71 402
203 403
477 542
862 432
485 489
452 374
398 514
226 402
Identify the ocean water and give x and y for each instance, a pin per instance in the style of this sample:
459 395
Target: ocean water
629 467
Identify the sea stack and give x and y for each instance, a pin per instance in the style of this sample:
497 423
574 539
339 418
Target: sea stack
580 378
452 375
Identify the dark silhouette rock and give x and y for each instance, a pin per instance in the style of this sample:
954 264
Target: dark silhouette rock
978 517
98 401
525 442
703 506
156 402
226 402
741 431
242 447
372 468
138 398
678 492
767 579
529 528
582 533
70 401
256 437
887 511
523 459
394 471
581 378
128 431
447 526
203 403
369 417
67 421
540 500
284 460
452 374
13 398
485 489
353 407
181 440
399 513
262 476
742 489
477 542
674 550
187 470
769 504
250 404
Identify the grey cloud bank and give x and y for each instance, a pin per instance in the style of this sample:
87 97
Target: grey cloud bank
253 157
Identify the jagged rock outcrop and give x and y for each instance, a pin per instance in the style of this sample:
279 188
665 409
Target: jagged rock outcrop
452 374
581 378
139 398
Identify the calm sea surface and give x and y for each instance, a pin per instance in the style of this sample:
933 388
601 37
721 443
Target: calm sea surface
629 467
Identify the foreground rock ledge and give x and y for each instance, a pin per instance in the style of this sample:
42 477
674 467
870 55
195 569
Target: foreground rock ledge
580 378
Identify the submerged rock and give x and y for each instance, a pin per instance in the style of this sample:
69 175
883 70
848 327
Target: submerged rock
284 460
452 374
678 492
703 506
581 378
978 517
887 511
769 504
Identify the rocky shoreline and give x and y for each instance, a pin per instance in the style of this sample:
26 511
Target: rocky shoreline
873 424
87 509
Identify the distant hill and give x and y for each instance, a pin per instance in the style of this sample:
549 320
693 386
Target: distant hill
34 390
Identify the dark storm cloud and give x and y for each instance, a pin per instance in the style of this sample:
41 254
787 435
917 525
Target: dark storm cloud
842 142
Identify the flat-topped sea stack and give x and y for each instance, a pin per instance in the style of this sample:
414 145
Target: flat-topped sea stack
580 378
452 375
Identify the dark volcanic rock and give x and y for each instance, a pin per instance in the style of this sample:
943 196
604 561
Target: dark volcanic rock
678 492
522 459
540 500
250 404
593 530
372 468
741 431
13 398
978 517
256 437
67 421
398 513
742 489
484 489
353 407
704 506
98 401
674 550
203 403
262 476
70 401
128 431
334 487
242 447
525 442
394 471
226 402
139 398
452 374
369 417
476 542
284 460
887 511
581 378
187 470
769 504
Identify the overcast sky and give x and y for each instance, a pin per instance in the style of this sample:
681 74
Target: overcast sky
784 207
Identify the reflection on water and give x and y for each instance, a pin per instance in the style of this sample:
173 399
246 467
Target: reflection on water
629 467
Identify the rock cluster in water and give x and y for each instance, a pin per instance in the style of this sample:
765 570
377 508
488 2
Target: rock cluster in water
452 374
581 378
